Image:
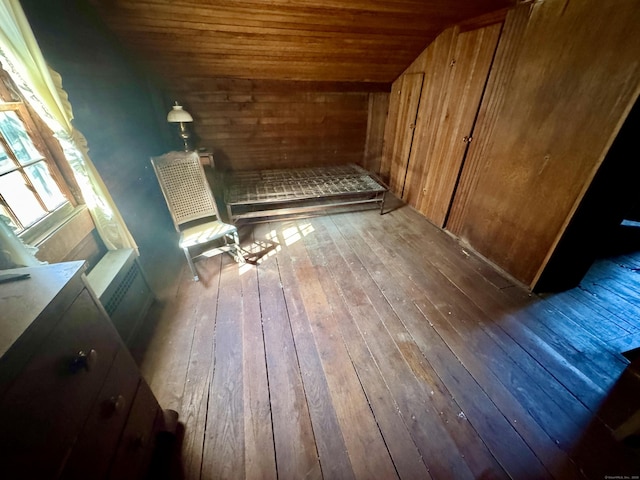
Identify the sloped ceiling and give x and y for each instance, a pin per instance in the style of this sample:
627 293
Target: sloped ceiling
307 40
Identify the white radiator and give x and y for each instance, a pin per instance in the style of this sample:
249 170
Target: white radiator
120 284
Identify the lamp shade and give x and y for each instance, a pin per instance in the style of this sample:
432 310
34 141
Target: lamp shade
178 114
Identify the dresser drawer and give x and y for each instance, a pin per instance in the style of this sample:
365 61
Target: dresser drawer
30 310
46 406
139 436
99 438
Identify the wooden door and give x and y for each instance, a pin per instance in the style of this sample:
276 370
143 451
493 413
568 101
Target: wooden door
436 62
469 68
502 70
374 143
408 100
552 115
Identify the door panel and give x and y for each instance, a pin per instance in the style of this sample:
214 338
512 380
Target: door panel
437 59
469 69
558 113
409 98
390 130
503 68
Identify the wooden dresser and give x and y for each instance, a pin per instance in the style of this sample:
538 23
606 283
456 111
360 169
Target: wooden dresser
72 401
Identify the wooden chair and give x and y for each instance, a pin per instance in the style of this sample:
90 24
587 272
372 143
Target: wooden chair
192 206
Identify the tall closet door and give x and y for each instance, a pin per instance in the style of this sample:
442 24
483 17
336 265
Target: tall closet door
408 98
469 67
477 158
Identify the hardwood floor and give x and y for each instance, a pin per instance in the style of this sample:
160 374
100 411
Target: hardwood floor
376 347
611 289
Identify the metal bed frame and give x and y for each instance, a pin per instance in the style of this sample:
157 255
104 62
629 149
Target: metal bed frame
263 195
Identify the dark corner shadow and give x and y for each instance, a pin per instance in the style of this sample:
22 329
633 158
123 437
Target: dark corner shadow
633 356
167 462
391 203
613 433
139 344
624 240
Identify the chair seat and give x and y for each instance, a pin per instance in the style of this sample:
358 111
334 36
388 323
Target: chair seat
189 198
204 233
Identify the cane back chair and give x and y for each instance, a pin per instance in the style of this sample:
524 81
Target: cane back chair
192 206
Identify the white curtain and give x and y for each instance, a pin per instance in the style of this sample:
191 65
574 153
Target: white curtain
14 253
42 88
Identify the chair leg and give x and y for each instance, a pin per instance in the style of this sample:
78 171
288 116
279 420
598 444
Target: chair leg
194 272
236 250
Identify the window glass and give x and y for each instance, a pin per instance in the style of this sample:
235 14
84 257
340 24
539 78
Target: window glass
5 216
28 189
33 195
21 198
45 185
15 134
6 164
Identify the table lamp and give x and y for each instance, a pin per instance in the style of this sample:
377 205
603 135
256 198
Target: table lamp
180 116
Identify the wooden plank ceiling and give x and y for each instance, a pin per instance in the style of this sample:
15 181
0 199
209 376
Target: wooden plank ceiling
308 40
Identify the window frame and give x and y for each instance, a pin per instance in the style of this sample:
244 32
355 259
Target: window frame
49 147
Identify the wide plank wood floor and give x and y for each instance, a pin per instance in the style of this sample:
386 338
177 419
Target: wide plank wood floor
376 347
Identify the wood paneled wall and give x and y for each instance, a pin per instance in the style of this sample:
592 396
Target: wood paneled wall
77 239
374 144
502 71
408 98
559 97
472 58
257 124
436 115
435 61
390 128
564 76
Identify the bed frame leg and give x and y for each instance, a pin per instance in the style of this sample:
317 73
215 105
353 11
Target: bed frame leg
384 196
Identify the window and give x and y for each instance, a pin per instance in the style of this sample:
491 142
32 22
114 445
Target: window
31 187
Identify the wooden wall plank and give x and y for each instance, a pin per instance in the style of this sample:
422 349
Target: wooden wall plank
245 85
501 72
255 125
408 99
74 240
469 69
574 82
374 142
435 61
455 67
390 130
549 114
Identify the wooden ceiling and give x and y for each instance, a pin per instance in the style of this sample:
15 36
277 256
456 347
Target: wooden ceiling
307 40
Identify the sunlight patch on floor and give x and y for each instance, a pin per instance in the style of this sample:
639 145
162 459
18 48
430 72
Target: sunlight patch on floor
260 250
294 233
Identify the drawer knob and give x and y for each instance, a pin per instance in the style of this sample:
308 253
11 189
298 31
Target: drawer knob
117 404
139 442
84 360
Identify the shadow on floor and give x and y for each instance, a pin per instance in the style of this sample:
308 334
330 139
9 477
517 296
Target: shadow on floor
167 462
624 241
615 429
